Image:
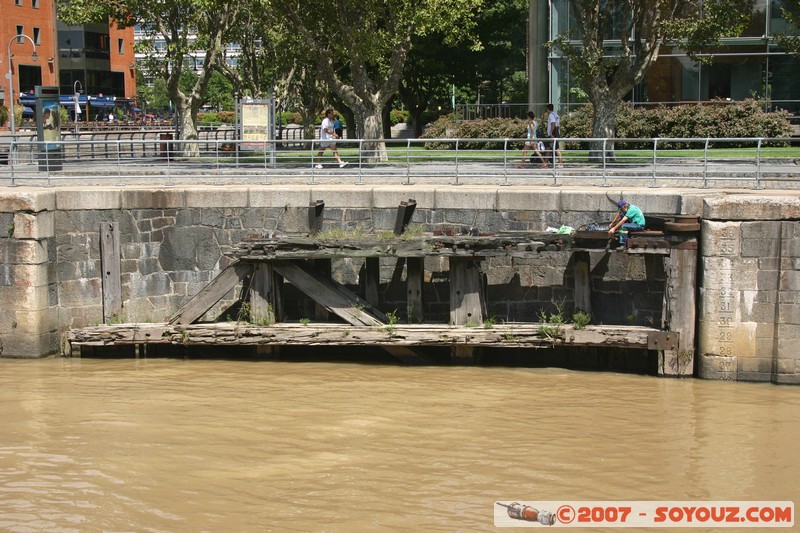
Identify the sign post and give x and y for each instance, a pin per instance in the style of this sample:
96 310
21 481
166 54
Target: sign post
48 128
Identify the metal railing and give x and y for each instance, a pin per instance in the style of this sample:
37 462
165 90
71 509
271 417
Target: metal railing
687 162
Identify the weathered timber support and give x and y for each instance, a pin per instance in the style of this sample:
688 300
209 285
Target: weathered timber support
680 304
415 274
516 335
466 302
583 282
212 293
466 292
315 216
110 263
404 213
325 268
265 295
372 281
333 296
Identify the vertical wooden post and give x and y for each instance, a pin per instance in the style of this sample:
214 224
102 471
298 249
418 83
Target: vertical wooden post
324 267
315 216
583 283
466 302
680 304
404 213
110 262
265 295
415 272
372 280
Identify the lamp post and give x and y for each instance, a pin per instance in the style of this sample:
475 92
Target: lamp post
77 94
10 76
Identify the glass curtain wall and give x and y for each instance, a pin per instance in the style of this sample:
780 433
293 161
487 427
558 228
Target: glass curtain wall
749 66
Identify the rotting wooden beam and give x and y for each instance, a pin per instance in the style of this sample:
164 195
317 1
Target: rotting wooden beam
326 292
404 213
212 293
110 263
509 335
315 210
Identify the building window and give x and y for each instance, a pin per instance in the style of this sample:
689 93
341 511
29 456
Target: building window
20 31
37 36
34 4
17 2
121 46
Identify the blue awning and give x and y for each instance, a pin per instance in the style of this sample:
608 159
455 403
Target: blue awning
27 111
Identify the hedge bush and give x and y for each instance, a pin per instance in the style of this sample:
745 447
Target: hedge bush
721 119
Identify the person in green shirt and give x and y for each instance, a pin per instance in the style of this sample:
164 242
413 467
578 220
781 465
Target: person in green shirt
628 218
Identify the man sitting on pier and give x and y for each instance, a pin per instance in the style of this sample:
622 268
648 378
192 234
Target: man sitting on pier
628 218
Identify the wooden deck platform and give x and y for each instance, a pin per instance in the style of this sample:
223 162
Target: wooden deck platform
264 263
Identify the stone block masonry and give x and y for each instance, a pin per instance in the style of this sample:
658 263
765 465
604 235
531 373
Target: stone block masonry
174 241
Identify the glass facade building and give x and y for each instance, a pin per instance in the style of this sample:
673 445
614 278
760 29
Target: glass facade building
750 65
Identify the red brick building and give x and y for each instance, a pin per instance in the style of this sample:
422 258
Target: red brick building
98 56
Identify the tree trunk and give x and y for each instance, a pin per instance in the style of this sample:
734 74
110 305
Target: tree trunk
188 129
603 127
370 117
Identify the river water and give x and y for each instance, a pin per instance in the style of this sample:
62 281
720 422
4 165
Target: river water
233 445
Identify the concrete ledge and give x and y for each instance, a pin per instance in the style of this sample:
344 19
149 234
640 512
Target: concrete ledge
389 197
749 207
89 199
463 197
30 201
343 196
280 197
217 197
153 199
510 199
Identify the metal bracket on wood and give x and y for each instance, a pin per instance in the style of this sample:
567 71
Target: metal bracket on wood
663 340
404 213
315 216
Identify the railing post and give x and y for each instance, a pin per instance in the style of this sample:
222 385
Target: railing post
408 161
655 160
456 161
360 180
360 160
505 161
705 163
313 164
605 175
11 150
758 165
119 161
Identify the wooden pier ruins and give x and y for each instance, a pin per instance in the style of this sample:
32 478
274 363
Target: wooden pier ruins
265 263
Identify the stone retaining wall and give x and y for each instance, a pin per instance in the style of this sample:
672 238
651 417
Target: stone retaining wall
174 241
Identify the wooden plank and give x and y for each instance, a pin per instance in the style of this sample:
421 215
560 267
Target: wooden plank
404 213
110 263
333 296
415 274
466 295
204 300
583 283
372 280
324 267
512 335
265 294
679 312
315 216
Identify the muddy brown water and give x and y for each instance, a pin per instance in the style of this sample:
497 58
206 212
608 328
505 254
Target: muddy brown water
232 445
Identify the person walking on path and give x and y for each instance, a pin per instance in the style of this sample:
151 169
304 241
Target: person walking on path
532 143
628 218
328 136
553 132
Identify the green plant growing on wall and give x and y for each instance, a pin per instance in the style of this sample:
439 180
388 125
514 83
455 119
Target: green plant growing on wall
305 320
580 319
490 322
552 323
393 318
